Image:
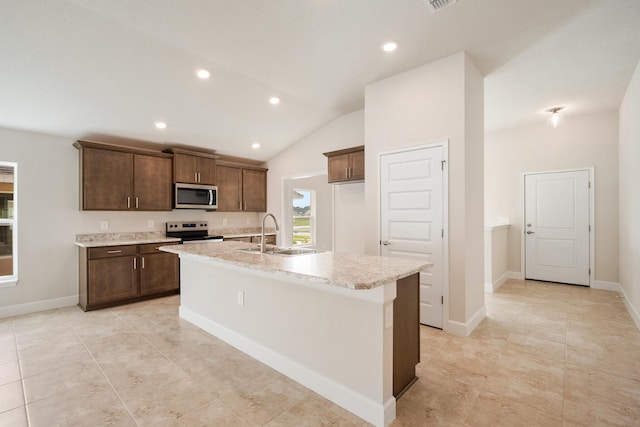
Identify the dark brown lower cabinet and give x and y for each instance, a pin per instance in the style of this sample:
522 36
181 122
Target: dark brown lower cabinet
119 274
158 273
406 333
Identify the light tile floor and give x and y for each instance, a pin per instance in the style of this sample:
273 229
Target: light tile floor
546 355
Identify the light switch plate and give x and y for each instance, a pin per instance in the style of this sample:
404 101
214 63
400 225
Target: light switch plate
240 298
150 223
224 221
104 225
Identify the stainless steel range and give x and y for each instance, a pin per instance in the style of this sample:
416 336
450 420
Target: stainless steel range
191 232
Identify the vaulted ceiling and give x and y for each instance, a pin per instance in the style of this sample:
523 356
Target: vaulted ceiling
110 69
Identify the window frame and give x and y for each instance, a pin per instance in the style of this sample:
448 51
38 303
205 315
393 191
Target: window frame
12 280
312 215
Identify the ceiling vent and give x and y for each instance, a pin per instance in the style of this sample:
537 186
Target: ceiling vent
436 5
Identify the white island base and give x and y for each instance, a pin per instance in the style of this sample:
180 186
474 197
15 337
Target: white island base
335 340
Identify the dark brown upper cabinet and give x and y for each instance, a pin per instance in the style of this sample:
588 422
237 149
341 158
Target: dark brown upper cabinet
241 188
192 167
346 165
122 178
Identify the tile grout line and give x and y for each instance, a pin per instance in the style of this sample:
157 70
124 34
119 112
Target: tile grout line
163 355
101 370
24 393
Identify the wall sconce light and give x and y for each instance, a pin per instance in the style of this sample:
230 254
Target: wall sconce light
555 116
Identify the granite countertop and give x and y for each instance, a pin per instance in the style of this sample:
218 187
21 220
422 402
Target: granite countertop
118 239
333 268
241 232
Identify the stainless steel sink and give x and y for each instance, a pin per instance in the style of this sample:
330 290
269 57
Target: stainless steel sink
298 251
281 251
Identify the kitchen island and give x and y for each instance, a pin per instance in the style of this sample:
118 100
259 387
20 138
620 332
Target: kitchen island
343 325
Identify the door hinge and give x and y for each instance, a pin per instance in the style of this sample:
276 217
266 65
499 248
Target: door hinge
589 227
442 162
589 272
589 184
442 299
442 233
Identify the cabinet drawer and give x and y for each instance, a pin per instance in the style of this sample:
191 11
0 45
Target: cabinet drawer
112 251
152 248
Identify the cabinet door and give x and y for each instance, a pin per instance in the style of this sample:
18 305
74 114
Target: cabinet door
229 182
185 168
159 273
206 170
254 190
107 179
152 183
356 162
338 168
112 279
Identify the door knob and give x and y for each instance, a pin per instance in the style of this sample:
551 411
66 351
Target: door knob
386 242
530 232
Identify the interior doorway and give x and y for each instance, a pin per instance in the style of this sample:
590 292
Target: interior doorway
558 211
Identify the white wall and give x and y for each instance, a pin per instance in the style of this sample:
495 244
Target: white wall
577 142
629 194
49 218
305 158
439 101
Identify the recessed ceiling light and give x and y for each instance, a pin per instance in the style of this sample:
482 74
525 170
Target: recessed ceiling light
161 125
390 46
274 100
203 73
255 145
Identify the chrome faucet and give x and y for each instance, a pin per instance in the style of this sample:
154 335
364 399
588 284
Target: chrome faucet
263 245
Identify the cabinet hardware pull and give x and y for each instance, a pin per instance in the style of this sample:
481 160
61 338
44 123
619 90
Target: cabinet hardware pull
142 262
346 172
114 252
136 203
195 176
199 180
135 264
128 202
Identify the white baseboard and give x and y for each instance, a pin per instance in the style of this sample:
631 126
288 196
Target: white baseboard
375 413
33 307
635 315
606 286
492 287
465 329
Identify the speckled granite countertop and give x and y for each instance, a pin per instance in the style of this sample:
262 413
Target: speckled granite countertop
333 268
118 239
241 232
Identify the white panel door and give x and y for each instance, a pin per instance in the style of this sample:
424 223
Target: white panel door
557 227
411 209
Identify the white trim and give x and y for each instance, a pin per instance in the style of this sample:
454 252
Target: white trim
13 279
592 218
516 275
444 143
492 287
630 308
606 286
379 415
465 329
33 307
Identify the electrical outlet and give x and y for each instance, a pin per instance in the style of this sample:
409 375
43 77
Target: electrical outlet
104 225
224 221
248 221
240 298
150 223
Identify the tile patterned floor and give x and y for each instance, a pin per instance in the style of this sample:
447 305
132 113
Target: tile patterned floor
545 355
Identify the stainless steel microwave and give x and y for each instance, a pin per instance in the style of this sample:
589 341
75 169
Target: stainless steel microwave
195 196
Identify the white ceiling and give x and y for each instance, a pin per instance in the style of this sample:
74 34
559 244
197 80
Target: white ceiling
111 68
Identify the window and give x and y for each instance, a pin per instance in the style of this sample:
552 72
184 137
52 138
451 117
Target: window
303 227
8 224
